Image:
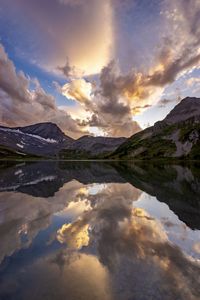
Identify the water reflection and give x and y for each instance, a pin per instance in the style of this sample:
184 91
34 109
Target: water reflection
99 231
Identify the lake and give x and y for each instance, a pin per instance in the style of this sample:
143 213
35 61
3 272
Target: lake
96 230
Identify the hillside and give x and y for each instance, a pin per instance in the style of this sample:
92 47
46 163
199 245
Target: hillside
177 136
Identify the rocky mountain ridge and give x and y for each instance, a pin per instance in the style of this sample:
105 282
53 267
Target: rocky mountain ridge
177 136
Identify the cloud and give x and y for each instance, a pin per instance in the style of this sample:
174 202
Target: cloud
170 70
142 241
78 89
193 81
27 214
127 243
121 234
19 105
95 39
74 237
63 275
90 40
85 47
77 112
71 71
106 103
119 97
180 51
165 101
82 31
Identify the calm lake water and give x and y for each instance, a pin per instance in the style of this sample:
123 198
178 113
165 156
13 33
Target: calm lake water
99 231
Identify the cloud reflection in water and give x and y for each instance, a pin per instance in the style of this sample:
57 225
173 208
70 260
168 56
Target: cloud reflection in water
98 239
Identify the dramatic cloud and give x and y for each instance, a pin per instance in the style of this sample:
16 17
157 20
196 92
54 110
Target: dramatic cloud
82 31
19 105
180 52
77 89
24 213
116 67
121 234
108 107
75 238
116 240
90 40
118 97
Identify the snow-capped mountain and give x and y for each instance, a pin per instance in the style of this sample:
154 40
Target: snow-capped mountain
47 140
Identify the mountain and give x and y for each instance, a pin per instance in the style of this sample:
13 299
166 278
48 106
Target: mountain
186 109
47 140
47 131
88 147
96 145
43 139
177 136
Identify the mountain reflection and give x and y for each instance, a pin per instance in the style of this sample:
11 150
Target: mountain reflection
72 230
177 186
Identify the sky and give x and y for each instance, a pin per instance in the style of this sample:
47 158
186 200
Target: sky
102 67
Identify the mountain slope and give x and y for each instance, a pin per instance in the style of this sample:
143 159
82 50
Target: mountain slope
43 139
188 108
46 130
177 136
96 145
88 147
47 140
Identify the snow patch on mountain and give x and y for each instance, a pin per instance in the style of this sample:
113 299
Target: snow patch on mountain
20 146
17 131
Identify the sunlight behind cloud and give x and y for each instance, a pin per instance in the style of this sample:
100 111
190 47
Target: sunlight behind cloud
78 89
89 46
